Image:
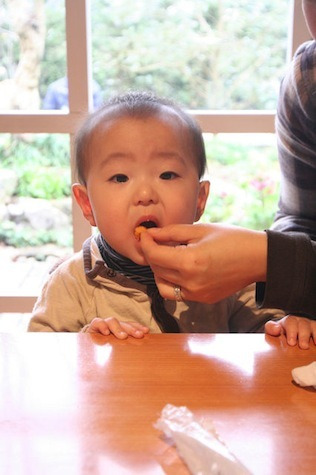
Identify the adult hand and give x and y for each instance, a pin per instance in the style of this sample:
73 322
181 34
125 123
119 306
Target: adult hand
207 261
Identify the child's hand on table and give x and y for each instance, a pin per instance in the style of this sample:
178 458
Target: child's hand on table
296 329
121 330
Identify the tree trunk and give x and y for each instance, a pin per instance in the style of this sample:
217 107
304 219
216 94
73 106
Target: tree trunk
28 22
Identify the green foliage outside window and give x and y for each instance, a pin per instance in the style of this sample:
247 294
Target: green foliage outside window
205 54
244 176
41 163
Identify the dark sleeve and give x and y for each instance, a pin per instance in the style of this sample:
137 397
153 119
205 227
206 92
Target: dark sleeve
291 274
296 140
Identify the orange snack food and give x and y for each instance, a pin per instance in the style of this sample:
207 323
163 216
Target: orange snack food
138 230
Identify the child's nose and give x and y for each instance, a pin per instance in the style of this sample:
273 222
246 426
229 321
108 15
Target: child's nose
146 194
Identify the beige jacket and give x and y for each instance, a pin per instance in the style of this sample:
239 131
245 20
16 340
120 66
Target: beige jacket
81 289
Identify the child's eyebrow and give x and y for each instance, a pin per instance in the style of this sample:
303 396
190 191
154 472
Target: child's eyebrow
115 156
168 155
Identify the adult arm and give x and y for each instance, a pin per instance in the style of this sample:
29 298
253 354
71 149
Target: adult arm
291 274
296 136
212 261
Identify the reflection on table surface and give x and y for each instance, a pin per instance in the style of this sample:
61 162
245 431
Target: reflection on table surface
80 403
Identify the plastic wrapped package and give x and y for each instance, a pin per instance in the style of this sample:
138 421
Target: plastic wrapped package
200 449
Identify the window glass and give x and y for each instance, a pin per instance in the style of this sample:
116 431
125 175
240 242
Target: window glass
244 173
33 53
14 322
205 54
35 208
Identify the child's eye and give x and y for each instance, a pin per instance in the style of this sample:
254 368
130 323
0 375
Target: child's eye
168 175
119 178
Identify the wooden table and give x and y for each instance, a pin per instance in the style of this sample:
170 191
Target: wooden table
83 404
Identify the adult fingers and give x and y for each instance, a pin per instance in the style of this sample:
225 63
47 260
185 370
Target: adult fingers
166 275
171 291
178 233
161 255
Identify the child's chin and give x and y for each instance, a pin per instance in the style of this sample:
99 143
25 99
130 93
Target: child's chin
140 260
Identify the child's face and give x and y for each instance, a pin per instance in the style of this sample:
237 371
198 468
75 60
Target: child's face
140 170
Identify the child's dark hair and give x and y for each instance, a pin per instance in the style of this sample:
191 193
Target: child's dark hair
138 105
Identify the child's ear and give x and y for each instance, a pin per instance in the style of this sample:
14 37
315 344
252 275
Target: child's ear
202 198
81 195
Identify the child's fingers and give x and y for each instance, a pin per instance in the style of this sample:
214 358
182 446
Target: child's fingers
313 324
298 330
105 326
116 328
120 330
134 329
291 330
273 328
98 325
285 325
304 333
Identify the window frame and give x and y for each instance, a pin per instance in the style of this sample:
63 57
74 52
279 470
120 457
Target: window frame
78 38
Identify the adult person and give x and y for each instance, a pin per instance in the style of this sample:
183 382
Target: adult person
216 259
56 96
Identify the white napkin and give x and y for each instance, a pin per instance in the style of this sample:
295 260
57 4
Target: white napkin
305 375
201 450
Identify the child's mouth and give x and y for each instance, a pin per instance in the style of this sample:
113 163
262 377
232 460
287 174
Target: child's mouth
142 227
148 224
